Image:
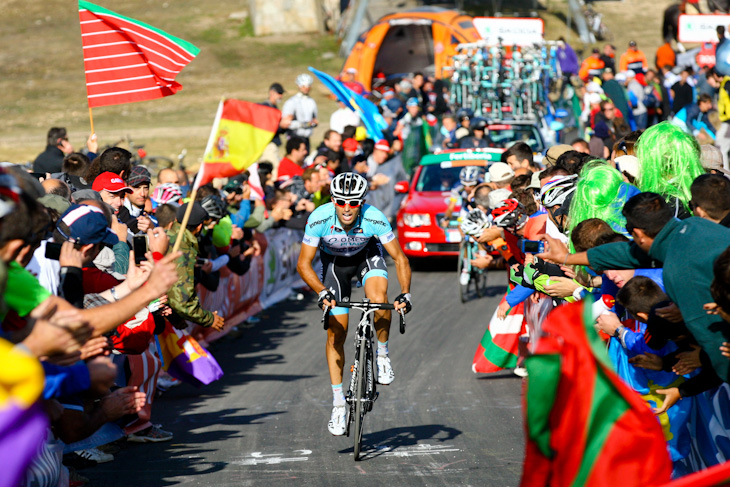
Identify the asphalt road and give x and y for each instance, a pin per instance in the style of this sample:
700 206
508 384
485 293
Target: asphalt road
265 422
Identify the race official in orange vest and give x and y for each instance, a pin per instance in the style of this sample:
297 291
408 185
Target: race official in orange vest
592 66
633 59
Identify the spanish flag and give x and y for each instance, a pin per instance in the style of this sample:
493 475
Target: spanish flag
240 133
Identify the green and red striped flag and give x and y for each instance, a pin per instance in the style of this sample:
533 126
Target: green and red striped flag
585 426
126 60
498 348
241 131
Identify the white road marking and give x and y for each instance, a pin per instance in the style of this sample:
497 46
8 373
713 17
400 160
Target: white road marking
260 458
416 450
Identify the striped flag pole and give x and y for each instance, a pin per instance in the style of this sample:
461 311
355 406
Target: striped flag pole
91 120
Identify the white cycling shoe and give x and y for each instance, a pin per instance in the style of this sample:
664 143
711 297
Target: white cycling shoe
385 370
464 278
338 422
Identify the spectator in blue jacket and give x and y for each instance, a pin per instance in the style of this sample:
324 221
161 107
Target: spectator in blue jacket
694 118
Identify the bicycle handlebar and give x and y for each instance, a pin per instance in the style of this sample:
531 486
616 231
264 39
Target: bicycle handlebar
366 306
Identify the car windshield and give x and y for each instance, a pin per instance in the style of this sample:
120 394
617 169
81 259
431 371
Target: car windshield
436 178
505 135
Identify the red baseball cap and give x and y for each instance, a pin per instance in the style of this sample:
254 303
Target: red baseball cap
350 145
383 145
110 182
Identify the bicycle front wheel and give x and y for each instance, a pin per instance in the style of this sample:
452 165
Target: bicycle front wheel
360 396
479 277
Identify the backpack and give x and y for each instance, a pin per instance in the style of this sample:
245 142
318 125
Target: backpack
650 97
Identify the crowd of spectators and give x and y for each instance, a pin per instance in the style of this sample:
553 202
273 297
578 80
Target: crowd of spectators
82 303
642 199
87 308
644 233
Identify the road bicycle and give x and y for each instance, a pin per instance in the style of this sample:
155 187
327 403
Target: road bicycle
362 392
468 249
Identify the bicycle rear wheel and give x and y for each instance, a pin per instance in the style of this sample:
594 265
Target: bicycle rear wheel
463 289
360 393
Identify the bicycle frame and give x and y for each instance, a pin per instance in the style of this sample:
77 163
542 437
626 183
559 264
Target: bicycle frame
468 250
362 394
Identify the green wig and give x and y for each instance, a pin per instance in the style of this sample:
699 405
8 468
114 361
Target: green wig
600 193
669 160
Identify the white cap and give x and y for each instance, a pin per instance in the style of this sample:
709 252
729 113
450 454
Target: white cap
497 197
594 98
499 172
628 164
630 74
593 87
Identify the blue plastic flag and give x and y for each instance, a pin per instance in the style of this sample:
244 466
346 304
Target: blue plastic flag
368 111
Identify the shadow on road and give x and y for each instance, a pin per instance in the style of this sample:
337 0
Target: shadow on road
395 439
507 374
199 433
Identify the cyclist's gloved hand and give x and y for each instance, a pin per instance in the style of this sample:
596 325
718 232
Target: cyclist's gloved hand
404 298
325 295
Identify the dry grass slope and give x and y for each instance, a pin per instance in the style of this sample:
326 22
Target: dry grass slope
43 82
43 77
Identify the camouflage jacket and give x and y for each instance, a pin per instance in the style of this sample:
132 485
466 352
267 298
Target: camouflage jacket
182 298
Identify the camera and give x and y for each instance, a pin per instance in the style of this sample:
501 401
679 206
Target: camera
532 246
139 245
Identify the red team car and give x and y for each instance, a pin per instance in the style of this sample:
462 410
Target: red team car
419 231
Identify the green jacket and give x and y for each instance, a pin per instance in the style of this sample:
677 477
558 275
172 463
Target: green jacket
182 298
687 250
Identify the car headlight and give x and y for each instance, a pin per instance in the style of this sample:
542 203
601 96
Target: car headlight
417 219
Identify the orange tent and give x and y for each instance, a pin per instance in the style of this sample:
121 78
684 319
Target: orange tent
419 40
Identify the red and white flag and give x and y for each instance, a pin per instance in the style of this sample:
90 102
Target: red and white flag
127 60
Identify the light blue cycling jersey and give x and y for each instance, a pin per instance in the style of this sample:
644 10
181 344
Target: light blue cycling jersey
325 231
460 196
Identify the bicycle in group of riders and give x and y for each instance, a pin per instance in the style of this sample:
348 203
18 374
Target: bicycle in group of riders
352 237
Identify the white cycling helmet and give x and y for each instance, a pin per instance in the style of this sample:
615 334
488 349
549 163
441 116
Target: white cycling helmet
304 80
469 175
349 185
475 223
557 190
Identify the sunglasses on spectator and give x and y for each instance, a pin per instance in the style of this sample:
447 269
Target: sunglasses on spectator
608 109
343 202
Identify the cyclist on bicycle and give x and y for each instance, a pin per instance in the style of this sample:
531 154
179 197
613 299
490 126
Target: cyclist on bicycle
469 177
351 236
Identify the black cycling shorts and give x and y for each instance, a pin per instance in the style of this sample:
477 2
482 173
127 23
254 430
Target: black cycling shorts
338 271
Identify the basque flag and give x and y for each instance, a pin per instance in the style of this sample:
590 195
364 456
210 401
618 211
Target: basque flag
126 60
